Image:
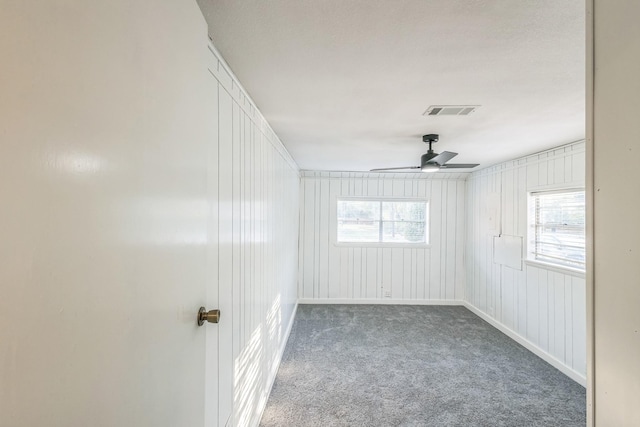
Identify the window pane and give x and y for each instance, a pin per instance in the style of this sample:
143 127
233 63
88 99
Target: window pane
559 222
404 211
358 231
359 210
403 231
361 221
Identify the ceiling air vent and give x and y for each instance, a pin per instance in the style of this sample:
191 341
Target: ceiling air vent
450 110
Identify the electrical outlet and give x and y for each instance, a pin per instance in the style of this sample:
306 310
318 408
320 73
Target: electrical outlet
387 294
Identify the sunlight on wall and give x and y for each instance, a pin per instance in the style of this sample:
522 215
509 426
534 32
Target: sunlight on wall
274 320
247 370
274 329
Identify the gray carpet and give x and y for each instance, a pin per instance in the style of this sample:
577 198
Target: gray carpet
363 365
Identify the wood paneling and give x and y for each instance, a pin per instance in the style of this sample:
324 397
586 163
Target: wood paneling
258 188
341 272
546 307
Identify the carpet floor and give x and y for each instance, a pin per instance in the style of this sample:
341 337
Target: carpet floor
386 365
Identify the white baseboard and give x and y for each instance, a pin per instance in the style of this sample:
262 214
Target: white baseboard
276 365
556 363
374 301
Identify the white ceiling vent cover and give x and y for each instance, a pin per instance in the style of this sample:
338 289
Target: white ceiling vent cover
450 110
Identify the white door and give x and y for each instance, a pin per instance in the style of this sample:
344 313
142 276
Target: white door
107 239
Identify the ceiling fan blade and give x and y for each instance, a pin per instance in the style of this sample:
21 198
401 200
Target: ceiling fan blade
459 166
393 169
443 157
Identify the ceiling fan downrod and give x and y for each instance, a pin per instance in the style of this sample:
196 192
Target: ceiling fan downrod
430 139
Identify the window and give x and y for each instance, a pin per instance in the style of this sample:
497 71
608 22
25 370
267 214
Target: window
557 228
382 221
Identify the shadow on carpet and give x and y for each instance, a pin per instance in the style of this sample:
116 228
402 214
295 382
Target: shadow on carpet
386 365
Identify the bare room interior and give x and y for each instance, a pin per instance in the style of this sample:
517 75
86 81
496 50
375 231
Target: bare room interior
297 213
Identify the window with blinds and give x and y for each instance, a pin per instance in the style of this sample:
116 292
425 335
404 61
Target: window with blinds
557 220
382 221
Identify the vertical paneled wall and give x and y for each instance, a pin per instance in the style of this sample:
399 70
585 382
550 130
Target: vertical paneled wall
543 308
258 186
332 272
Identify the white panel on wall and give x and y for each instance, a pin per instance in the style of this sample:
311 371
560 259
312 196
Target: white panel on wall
383 273
507 250
541 307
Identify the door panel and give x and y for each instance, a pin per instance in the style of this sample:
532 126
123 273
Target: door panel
105 218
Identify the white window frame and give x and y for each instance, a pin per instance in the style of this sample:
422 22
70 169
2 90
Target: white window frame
531 233
334 222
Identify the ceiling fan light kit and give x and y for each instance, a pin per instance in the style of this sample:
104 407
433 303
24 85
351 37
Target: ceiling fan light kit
430 167
432 161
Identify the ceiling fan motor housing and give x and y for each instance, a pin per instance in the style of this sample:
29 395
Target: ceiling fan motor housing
426 164
426 157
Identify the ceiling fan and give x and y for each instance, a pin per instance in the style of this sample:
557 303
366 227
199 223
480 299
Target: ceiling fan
433 162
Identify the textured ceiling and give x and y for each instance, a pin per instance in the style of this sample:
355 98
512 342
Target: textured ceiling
344 83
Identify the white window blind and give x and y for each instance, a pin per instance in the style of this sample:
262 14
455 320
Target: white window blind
558 222
382 221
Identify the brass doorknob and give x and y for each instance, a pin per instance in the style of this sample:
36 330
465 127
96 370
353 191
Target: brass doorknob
211 316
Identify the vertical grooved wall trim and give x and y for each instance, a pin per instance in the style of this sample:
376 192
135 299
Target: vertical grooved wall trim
352 272
258 230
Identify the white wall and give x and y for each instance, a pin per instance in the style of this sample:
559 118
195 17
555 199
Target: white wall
543 308
258 246
355 273
614 158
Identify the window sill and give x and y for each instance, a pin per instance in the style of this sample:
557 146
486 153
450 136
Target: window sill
557 268
382 245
